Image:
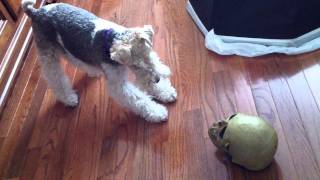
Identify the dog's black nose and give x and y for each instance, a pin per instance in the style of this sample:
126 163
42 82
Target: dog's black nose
156 79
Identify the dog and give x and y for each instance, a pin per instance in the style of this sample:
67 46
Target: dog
101 48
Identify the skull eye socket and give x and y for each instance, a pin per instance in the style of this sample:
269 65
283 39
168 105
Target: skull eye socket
222 132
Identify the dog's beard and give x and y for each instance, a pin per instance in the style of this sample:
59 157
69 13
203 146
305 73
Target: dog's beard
149 75
143 64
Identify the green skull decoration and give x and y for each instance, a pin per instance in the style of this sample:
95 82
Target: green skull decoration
250 141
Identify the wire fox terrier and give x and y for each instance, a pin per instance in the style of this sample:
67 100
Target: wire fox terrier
101 47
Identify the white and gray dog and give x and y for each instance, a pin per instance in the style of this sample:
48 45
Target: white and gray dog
101 47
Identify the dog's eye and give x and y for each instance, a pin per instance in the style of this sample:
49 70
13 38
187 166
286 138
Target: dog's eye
147 43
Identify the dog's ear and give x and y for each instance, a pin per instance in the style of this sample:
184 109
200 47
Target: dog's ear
146 34
148 30
121 54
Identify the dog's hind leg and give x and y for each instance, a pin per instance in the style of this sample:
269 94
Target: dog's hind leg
54 75
130 96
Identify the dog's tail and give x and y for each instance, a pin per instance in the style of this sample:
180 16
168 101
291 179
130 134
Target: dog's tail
27 6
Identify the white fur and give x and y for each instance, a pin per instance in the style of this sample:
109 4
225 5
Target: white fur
163 70
90 70
50 6
162 91
131 97
27 2
59 39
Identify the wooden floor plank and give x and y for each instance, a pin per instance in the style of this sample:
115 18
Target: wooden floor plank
17 161
297 136
18 120
217 161
282 167
304 101
241 85
53 134
86 133
15 96
245 103
311 68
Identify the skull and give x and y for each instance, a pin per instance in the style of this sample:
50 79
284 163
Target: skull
250 141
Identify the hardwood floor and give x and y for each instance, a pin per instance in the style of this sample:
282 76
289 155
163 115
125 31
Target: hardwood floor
42 139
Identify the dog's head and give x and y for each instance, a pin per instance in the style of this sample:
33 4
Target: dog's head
136 51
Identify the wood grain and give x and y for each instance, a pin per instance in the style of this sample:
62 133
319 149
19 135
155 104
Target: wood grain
5 14
14 7
6 33
40 138
282 167
15 41
293 123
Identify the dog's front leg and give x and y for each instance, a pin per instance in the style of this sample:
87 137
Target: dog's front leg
126 94
163 90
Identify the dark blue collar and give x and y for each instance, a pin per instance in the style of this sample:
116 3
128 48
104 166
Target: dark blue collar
108 35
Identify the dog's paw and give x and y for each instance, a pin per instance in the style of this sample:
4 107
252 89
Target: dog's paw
71 100
156 113
167 95
163 91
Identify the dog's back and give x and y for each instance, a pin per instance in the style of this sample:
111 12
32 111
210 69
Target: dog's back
72 27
